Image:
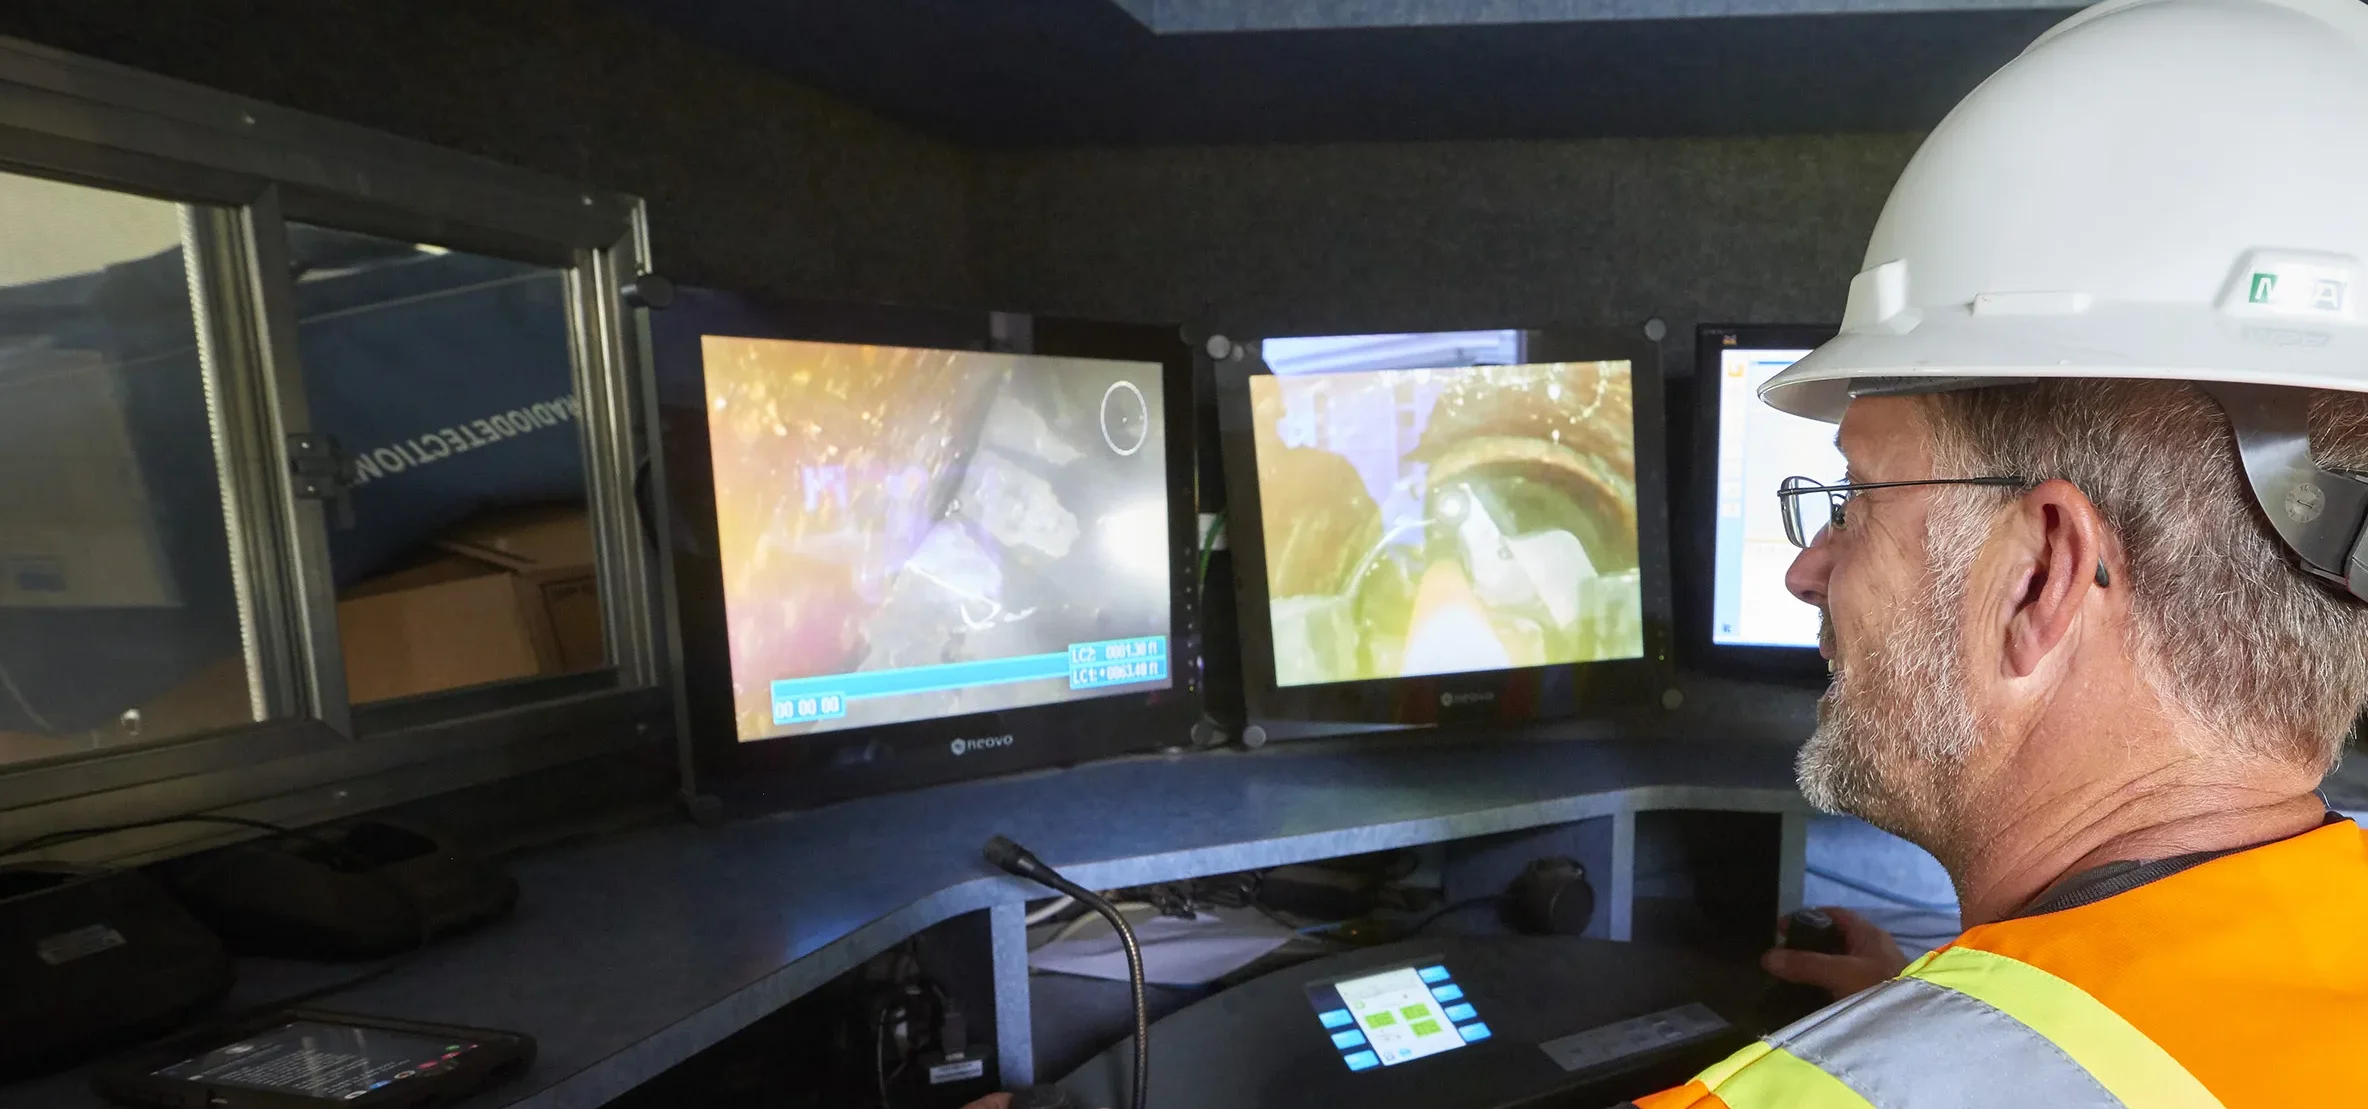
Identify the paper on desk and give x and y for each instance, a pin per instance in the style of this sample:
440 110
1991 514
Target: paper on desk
1176 952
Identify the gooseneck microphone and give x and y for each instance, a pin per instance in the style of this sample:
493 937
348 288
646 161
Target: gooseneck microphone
1017 860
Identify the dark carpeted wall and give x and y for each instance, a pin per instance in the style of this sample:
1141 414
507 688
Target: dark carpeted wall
753 181
1412 236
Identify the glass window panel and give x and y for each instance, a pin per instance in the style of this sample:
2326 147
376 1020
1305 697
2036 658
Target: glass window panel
448 378
119 615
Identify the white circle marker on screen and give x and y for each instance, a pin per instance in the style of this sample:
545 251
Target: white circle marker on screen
1141 405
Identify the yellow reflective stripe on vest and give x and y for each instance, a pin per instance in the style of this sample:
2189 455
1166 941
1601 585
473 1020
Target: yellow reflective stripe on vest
1776 1079
1727 1067
1961 1029
1910 1044
2134 1068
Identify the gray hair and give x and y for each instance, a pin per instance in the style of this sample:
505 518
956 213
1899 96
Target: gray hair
2228 630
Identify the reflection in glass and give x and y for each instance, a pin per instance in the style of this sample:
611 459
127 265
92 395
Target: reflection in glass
119 621
447 378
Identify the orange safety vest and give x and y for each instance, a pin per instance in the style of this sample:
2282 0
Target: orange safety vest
2241 982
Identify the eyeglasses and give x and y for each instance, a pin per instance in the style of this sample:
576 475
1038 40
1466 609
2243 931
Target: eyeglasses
1801 523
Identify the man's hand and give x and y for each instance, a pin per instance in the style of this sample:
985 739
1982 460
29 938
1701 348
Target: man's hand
1871 958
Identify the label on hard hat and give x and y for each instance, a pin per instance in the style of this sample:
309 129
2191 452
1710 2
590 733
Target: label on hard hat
2295 284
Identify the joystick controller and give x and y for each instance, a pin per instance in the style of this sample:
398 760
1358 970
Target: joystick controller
1045 1096
1814 930
1804 930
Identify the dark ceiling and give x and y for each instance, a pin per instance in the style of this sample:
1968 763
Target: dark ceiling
1085 73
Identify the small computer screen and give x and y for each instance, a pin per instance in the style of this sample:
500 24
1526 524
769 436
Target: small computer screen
909 534
1404 1013
1447 520
1758 447
317 1061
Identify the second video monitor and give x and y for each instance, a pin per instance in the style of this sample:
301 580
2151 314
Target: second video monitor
1435 521
1445 519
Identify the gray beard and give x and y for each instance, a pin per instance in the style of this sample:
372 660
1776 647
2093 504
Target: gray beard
1889 743
1894 729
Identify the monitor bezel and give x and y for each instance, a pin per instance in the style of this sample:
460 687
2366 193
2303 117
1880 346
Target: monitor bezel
820 767
1697 548
1481 697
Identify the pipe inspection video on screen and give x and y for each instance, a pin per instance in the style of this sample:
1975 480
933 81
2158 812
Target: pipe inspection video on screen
909 534
1436 521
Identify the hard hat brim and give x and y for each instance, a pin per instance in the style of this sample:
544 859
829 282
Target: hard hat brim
2143 341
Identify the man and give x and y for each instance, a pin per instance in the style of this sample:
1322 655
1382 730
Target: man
2115 765
2092 613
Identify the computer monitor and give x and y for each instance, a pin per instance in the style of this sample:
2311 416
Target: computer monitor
938 562
1745 449
1457 526
1316 354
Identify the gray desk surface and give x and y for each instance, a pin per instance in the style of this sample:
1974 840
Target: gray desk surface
629 955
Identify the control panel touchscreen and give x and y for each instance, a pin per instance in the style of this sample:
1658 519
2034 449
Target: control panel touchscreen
1392 1016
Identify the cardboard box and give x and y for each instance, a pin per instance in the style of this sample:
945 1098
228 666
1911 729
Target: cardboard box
513 595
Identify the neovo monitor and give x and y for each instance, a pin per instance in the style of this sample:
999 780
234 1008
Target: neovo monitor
923 560
1454 527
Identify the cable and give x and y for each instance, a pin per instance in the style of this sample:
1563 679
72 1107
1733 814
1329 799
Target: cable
70 835
1085 919
41 722
1878 891
1238 891
340 986
1016 860
1296 929
1208 537
367 866
909 1002
879 1049
1456 907
1059 905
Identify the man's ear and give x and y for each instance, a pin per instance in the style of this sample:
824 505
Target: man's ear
2058 557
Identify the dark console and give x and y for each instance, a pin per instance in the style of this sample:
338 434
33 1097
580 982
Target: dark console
1475 1023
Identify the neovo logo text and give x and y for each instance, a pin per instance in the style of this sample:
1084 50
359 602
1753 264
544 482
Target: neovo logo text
982 743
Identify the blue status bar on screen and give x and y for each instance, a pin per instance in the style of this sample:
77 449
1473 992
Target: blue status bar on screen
1086 665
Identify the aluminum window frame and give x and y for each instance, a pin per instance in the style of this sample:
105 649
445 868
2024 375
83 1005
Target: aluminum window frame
246 169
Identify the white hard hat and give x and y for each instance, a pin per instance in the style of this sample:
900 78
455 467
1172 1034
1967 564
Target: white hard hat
2153 189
